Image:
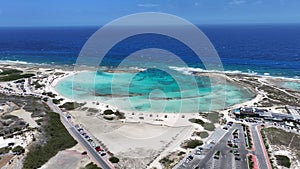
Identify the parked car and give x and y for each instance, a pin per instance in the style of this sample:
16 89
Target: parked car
197 152
103 154
93 144
187 160
237 158
190 157
235 140
200 148
216 157
237 154
98 148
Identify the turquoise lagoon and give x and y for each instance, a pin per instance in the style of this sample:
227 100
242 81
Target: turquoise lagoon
152 91
291 85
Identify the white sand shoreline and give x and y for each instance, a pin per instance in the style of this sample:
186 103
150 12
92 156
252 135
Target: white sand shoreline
162 131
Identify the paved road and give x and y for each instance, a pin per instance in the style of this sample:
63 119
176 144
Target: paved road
259 151
77 136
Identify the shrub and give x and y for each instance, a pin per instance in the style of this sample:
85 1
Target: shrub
202 134
117 113
197 121
13 74
192 144
58 138
55 101
91 165
114 159
108 112
166 162
50 94
71 105
213 117
5 150
283 161
18 150
209 126
108 118
181 153
120 114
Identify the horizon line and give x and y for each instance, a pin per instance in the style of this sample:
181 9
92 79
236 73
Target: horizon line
204 24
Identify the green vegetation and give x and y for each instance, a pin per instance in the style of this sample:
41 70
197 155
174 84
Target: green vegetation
202 134
108 112
280 137
71 105
192 144
250 162
280 96
120 115
114 159
206 126
37 85
167 162
266 144
5 150
91 165
14 125
181 153
117 113
50 94
9 71
18 150
92 110
213 117
248 137
209 126
56 101
58 139
197 121
283 161
58 73
84 108
108 118
13 74
9 124
218 153
20 81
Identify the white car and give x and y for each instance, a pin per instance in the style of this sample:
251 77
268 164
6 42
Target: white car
93 144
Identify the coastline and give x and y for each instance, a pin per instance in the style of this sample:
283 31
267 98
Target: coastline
227 75
232 77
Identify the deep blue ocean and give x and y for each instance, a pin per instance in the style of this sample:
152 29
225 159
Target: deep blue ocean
263 49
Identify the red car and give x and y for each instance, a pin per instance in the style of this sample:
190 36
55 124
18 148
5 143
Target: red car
98 148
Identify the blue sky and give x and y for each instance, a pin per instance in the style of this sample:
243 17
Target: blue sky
99 12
